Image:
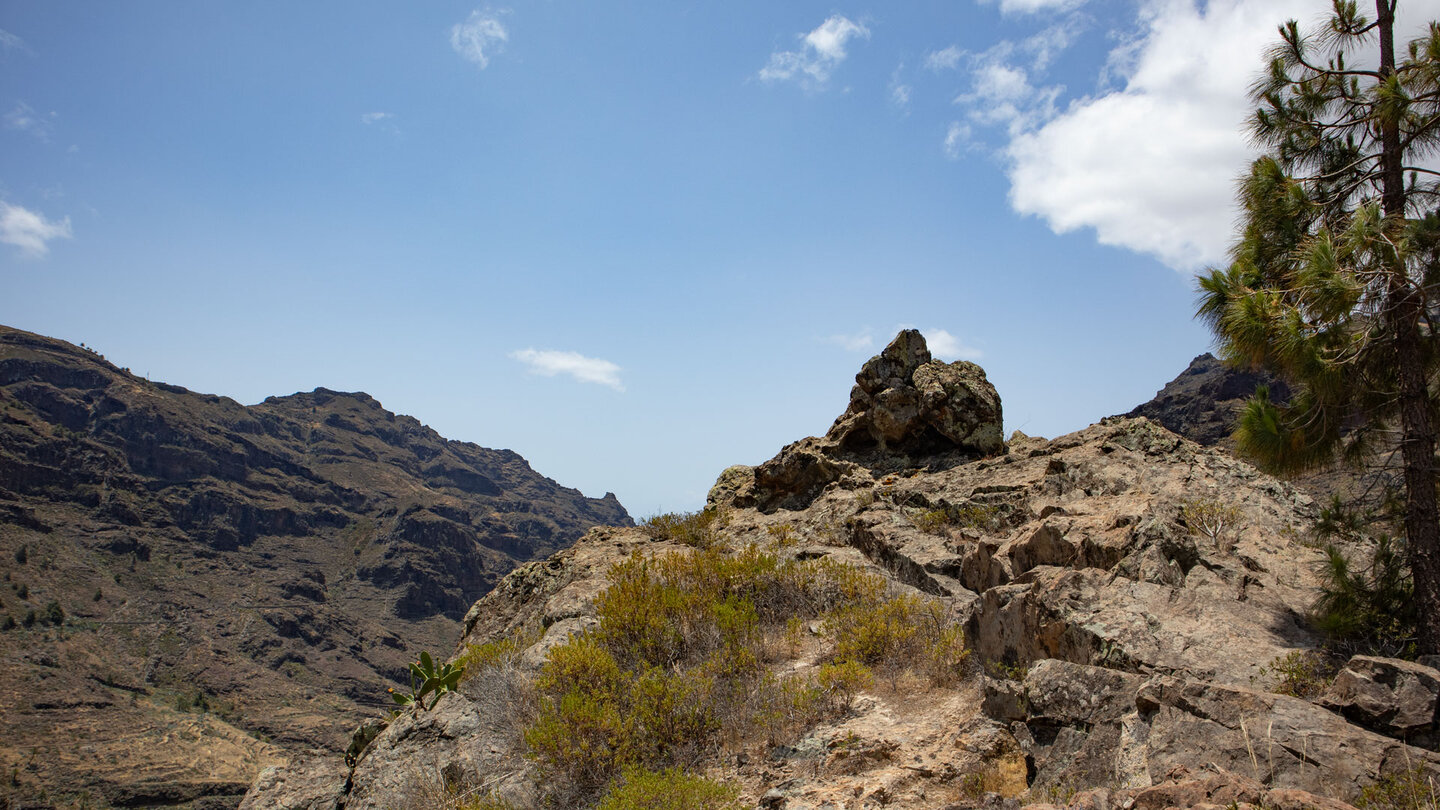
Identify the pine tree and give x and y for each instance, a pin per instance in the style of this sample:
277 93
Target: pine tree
1333 278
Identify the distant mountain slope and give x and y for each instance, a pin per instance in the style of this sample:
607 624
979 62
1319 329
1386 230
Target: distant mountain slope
1203 403
279 562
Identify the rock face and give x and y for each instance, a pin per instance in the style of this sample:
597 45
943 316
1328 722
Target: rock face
1122 645
1397 698
276 564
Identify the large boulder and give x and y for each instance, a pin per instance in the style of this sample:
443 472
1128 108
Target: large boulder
905 402
1394 697
1090 725
906 410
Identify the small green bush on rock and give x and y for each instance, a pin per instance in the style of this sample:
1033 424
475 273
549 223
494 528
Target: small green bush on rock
670 789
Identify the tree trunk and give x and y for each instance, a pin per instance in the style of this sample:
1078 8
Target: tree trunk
1417 441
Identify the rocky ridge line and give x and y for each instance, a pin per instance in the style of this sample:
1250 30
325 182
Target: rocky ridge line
1128 645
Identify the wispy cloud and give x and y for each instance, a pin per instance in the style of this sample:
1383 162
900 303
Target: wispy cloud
548 363
861 341
29 231
480 37
1002 92
9 42
957 139
1036 6
382 121
899 90
23 118
943 345
946 59
821 52
946 346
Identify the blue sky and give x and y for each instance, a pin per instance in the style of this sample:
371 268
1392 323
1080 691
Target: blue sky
635 242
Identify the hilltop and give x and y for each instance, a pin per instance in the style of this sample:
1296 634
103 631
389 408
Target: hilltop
1134 636
194 588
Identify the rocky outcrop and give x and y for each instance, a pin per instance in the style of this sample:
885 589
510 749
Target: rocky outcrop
1397 698
1125 594
905 403
904 406
1203 403
1086 725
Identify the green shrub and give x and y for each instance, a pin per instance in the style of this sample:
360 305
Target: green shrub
906 632
479 657
670 789
53 613
841 682
1372 609
1407 790
1302 673
1010 672
1207 517
695 529
581 737
675 666
968 515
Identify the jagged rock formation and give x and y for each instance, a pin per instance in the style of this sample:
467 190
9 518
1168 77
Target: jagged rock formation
904 406
1125 592
278 563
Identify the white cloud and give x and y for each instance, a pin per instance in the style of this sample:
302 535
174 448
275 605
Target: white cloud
946 346
1151 166
862 341
1048 44
957 138
24 119
1036 6
29 231
1002 94
479 37
549 363
375 117
821 51
946 59
9 42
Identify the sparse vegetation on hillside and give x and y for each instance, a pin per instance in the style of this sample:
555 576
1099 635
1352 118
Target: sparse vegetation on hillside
694 529
679 662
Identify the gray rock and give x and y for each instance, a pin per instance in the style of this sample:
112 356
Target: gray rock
1096 726
1394 697
906 403
305 783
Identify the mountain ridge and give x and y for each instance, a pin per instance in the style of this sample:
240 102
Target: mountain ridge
277 563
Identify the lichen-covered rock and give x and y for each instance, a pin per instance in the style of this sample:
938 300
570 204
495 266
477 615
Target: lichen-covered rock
306 783
798 474
1089 724
906 409
906 403
1394 697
